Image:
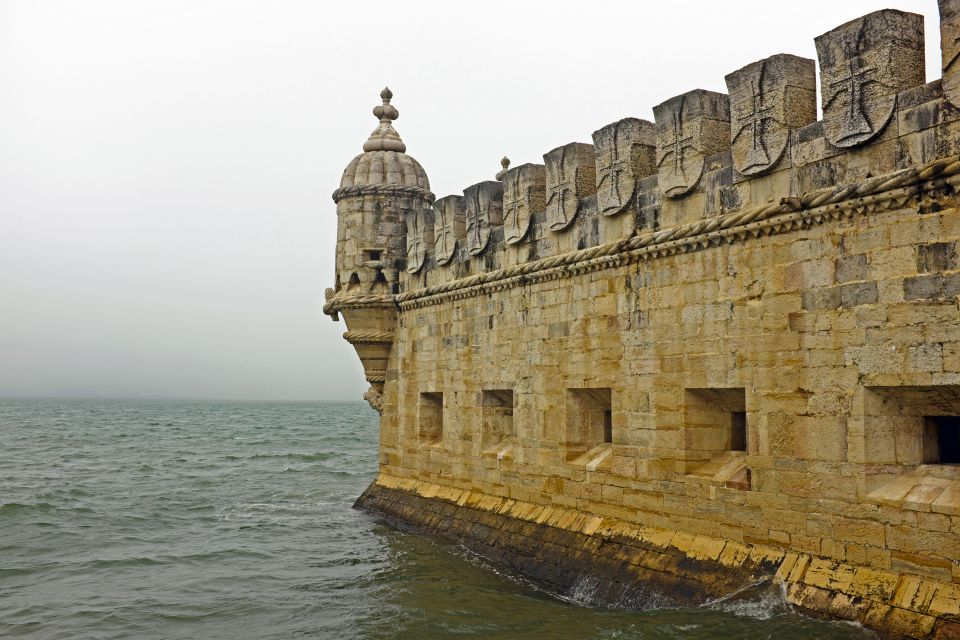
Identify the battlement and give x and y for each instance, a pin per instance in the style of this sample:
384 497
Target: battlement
710 349
710 156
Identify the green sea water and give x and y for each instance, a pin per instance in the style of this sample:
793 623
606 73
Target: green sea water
122 519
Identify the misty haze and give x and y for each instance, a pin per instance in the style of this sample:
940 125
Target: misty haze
166 227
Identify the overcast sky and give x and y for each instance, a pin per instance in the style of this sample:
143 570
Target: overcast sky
166 227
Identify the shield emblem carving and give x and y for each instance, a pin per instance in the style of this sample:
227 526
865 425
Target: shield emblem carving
419 235
625 152
571 175
689 128
767 99
950 48
524 193
449 227
863 64
484 210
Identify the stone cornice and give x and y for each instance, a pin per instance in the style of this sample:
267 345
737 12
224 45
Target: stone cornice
384 190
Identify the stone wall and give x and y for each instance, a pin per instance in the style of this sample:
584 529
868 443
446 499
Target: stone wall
735 323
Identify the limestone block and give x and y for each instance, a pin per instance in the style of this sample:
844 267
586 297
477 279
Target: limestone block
625 153
571 176
450 227
524 193
689 128
950 48
767 99
419 237
863 64
484 210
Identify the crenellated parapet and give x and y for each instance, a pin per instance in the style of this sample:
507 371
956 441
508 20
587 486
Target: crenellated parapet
709 155
730 332
711 168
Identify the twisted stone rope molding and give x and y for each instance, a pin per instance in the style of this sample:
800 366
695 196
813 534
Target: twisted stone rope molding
384 190
360 301
376 375
789 213
368 335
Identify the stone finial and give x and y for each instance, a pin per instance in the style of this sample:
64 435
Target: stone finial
505 164
385 137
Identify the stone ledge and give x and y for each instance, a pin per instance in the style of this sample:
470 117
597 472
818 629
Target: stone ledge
639 566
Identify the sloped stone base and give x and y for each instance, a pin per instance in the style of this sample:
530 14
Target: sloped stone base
635 566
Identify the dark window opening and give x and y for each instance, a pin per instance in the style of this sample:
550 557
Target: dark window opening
372 254
589 419
941 439
354 281
430 427
379 278
738 430
496 407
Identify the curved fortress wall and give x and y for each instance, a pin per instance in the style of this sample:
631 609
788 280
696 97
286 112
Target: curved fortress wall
715 347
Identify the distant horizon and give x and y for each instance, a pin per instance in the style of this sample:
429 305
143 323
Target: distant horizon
185 399
166 169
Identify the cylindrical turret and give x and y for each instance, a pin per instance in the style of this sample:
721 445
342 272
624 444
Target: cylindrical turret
380 189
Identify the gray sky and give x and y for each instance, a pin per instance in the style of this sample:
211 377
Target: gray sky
166 227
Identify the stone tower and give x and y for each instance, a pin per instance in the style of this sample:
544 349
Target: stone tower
380 191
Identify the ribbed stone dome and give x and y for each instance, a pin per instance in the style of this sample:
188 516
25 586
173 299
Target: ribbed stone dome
382 168
384 163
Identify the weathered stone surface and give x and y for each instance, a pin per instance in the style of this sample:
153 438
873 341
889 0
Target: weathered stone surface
625 152
450 227
558 549
382 191
759 363
950 48
419 237
524 193
863 64
484 210
571 175
767 99
689 128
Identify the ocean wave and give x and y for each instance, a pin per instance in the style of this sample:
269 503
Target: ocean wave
320 456
758 601
17 508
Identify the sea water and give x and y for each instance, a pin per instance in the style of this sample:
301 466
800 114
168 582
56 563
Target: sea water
162 519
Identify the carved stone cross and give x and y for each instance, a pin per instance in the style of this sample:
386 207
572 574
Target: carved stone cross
625 152
863 65
767 99
449 227
854 123
419 235
484 209
524 193
571 176
689 127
